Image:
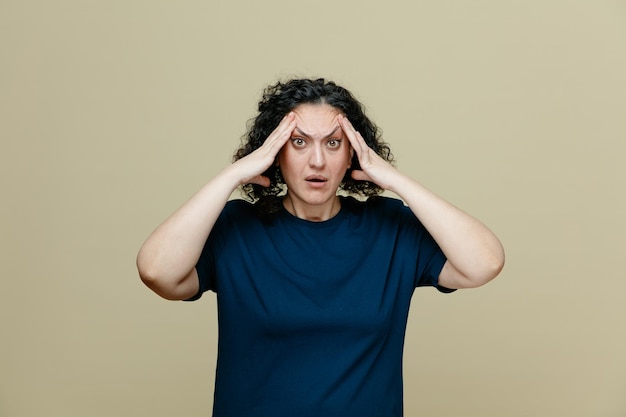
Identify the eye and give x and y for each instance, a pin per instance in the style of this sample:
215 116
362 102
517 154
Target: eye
334 143
298 142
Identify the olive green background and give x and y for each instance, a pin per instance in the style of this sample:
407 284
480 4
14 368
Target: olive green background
113 113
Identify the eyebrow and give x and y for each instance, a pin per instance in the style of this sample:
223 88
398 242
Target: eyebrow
325 137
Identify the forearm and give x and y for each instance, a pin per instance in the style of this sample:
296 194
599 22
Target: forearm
474 253
470 247
167 259
171 252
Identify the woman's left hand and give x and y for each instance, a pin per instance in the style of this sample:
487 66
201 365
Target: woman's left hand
373 168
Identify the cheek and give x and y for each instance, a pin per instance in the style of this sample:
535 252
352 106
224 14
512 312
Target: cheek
348 158
287 160
283 156
342 162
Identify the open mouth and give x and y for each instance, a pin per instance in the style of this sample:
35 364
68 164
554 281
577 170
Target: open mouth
315 179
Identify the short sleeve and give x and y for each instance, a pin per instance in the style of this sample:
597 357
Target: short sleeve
206 265
430 257
205 270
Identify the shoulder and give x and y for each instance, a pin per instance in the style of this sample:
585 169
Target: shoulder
386 211
375 204
245 214
237 208
237 205
379 210
235 212
237 218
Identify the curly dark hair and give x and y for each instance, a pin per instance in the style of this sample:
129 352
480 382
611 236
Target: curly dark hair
281 98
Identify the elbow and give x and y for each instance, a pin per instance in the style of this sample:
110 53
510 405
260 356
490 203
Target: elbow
162 287
489 270
151 278
473 274
168 278
492 272
159 282
148 274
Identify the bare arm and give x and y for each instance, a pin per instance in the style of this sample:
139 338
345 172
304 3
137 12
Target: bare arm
167 259
475 255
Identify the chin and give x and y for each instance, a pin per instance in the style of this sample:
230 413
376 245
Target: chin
315 199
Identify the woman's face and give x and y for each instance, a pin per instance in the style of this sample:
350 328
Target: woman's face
315 159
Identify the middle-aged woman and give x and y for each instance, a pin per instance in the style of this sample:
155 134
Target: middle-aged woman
314 286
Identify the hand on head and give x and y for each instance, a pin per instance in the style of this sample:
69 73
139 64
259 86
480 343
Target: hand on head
255 164
373 168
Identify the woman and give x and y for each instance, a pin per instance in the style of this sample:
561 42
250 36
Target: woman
314 287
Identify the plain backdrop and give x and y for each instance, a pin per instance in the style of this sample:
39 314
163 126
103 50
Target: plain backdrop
112 113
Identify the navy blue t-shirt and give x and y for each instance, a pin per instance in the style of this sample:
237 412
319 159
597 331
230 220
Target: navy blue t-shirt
312 315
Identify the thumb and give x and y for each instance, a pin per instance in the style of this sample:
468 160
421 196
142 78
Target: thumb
261 180
359 175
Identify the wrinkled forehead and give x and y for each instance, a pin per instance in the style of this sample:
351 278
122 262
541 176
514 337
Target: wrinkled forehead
317 120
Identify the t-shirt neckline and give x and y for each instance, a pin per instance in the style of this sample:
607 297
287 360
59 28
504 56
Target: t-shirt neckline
292 218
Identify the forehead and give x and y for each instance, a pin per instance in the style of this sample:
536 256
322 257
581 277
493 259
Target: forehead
316 119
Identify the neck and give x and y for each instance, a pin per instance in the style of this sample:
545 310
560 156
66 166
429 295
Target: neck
314 213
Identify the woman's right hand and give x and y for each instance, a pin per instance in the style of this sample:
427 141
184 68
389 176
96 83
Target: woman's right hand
251 167
167 259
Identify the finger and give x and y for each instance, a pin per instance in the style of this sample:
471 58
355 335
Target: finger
260 180
346 125
285 124
282 132
354 137
356 140
359 175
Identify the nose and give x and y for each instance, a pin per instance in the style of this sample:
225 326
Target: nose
317 158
